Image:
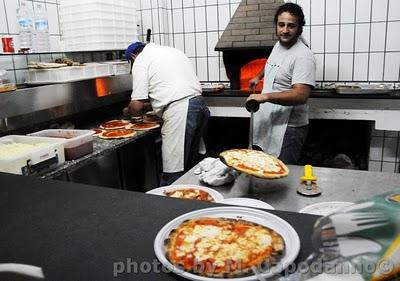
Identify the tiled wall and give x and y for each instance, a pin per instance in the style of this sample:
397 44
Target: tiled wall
354 40
16 65
191 26
385 151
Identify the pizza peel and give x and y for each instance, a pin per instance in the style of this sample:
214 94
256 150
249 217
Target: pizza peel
251 106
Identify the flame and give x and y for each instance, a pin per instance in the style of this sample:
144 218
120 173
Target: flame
102 87
249 71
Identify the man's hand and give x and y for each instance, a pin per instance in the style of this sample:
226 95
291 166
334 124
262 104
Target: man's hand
125 112
135 108
253 82
260 98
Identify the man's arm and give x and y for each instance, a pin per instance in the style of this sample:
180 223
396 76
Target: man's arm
137 108
253 82
297 95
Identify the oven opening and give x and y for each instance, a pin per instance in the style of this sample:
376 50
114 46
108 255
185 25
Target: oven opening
243 64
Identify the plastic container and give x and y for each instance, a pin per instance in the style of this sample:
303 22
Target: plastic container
29 161
5 84
67 74
97 24
119 67
42 38
77 143
26 28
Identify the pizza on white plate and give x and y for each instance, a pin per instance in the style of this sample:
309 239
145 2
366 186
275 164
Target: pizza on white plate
115 124
189 193
255 163
223 247
117 134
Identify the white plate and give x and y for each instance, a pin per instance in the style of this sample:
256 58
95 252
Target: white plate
325 208
247 202
160 190
289 235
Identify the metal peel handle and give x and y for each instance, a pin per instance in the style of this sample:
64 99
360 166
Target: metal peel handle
252 106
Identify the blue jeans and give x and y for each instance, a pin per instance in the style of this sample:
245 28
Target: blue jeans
196 125
293 142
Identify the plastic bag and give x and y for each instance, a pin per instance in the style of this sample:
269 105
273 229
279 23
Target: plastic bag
363 238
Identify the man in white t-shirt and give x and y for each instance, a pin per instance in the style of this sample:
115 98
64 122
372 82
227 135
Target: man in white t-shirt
164 81
281 124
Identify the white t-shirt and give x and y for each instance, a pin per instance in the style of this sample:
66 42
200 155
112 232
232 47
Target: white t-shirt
164 75
296 66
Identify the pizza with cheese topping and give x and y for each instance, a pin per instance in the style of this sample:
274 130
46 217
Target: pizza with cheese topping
190 193
223 247
115 124
255 163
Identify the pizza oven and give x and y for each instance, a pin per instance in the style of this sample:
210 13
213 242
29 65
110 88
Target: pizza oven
248 40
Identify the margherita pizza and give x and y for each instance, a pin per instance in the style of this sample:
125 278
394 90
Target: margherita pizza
255 163
117 134
223 247
144 126
190 193
114 124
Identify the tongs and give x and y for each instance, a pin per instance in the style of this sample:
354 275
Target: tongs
252 106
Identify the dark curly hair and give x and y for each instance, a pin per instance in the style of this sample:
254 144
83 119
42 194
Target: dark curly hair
294 10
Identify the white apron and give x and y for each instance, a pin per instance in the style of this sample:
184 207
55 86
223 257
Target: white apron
270 121
173 136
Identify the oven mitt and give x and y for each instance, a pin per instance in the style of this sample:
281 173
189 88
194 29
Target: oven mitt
213 172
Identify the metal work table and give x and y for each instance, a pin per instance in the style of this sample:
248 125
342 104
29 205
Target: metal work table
336 185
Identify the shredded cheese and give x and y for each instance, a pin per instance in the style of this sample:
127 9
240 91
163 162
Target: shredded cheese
12 150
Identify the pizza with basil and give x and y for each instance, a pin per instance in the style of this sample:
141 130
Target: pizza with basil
114 124
117 134
255 163
223 247
144 126
190 193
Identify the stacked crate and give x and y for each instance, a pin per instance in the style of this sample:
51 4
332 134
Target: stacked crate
98 24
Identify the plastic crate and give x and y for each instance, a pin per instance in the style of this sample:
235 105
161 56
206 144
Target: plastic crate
97 24
77 143
51 152
67 74
119 67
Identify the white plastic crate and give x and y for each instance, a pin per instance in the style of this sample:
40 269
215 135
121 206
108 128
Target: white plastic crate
119 67
24 162
67 74
77 143
97 24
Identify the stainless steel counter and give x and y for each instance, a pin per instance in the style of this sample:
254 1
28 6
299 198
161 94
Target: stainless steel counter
336 185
